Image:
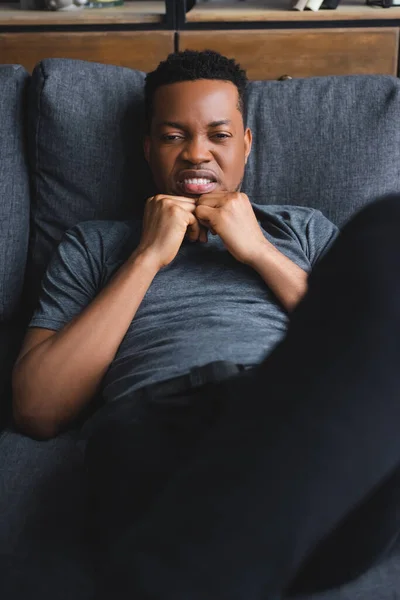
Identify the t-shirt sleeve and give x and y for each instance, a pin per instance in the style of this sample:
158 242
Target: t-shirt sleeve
69 284
320 233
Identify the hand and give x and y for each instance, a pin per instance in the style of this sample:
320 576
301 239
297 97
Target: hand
166 221
231 216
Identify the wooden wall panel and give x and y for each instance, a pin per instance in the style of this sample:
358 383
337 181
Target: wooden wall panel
135 49
269 54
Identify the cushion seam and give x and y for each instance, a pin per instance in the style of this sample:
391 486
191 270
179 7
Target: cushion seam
34 203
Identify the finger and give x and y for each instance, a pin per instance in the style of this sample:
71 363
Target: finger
214 200
191 201
203 237
188 204
206 215
206 225
179 199
193 230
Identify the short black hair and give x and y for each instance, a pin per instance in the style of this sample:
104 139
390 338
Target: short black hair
191 65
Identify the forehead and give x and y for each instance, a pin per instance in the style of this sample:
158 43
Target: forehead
203 100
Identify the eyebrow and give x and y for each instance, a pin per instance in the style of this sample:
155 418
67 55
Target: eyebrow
180 126
218 123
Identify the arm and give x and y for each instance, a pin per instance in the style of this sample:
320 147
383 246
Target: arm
232 217
57 374
69 365
287 280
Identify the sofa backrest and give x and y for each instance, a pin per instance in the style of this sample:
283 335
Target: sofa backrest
14 188
14 220
332 143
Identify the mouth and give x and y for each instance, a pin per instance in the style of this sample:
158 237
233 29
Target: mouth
197 182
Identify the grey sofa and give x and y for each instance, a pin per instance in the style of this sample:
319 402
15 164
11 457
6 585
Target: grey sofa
70 151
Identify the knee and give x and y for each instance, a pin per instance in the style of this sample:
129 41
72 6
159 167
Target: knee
363 263
372 234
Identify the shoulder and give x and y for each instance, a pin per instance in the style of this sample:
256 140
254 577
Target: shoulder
309 227
299 219
287 213
103 240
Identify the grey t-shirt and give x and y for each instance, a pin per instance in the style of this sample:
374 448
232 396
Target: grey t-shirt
204 306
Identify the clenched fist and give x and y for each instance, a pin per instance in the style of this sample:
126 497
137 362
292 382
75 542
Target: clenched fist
231 216
166 221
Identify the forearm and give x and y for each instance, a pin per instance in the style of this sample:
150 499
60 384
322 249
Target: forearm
286 279
55 380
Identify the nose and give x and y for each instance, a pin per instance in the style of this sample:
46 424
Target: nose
196 150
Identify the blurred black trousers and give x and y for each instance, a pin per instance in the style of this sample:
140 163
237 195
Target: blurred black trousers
280 480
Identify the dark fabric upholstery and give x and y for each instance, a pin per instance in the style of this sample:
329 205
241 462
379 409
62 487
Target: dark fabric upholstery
44 546
14 188
332 143
14 219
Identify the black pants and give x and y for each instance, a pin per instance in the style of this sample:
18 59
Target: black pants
278 480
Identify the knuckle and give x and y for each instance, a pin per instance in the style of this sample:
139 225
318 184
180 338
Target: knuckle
173 209
168 204
162 198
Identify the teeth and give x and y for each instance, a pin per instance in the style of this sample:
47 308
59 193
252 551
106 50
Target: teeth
197 181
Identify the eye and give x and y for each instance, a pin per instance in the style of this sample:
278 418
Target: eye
222 136
171 137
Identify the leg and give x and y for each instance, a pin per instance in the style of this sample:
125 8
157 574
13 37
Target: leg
297 445
368 535
133 449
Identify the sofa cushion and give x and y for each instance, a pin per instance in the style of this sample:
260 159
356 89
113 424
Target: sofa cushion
14 221
332 143
45 547
86 123
14 188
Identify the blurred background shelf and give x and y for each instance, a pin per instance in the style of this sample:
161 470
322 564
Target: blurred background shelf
264 36
132 12
278 10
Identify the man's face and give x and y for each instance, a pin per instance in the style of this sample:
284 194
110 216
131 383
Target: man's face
197 142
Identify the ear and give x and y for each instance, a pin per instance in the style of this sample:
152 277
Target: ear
248 138
146 147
